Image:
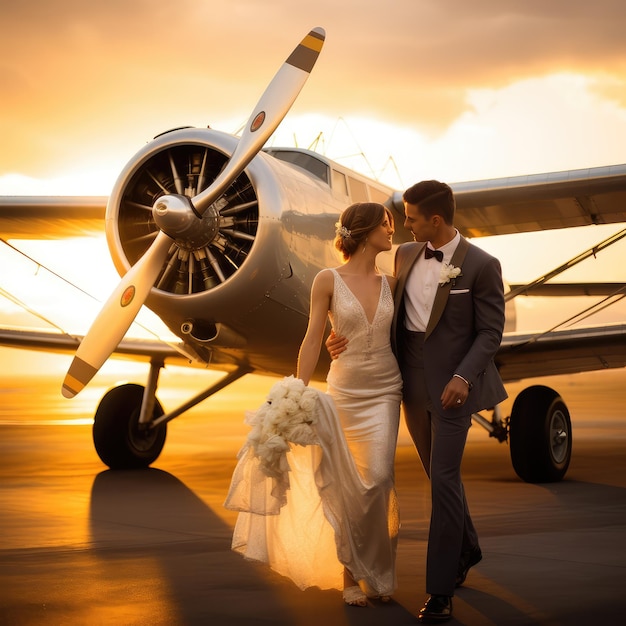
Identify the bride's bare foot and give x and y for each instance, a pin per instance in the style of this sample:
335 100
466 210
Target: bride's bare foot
352 594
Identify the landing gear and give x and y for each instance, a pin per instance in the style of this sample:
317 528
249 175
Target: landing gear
129 428
540 433
120 440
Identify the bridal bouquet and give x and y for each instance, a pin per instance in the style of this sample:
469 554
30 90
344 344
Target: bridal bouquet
286 417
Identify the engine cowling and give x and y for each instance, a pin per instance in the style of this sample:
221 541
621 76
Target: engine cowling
184 162
229 277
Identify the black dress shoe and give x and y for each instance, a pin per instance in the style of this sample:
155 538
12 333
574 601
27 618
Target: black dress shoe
468 559
437 609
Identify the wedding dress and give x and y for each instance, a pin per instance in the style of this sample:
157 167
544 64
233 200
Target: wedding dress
330 502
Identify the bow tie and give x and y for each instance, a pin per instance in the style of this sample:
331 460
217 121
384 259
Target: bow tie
437 254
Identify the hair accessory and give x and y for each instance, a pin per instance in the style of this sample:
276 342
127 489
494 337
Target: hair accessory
342 231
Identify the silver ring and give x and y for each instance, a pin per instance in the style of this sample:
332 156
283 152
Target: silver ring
458 401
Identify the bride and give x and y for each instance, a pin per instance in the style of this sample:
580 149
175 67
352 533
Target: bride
326 515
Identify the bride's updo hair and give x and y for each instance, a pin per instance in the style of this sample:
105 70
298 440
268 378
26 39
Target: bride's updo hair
355 223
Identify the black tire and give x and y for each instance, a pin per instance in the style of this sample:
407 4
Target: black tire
119 441
540 434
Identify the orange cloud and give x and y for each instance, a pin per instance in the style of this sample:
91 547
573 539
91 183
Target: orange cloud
81 81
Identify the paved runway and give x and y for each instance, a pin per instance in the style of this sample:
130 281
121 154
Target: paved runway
81 545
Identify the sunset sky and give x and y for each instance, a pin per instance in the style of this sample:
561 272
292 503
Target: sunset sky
449 89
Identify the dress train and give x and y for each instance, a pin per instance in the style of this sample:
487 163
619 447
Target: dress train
309 519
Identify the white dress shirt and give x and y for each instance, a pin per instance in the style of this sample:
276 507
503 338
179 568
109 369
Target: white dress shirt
422 284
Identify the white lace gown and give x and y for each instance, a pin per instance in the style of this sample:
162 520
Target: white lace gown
340 507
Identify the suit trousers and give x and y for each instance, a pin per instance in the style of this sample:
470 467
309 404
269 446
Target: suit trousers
440 442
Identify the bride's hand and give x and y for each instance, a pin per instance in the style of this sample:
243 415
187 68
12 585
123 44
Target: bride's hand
335 344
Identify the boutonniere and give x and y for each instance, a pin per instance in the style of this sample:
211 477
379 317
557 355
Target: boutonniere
448 273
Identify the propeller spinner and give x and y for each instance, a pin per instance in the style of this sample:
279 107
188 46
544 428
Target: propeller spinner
121 308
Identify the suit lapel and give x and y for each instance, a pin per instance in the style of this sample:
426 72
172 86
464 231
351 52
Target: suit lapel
405 270
441 297
402 269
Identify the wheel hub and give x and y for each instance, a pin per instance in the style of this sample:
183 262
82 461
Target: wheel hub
558 437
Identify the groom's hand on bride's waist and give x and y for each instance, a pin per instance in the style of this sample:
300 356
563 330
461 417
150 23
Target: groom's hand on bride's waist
335 344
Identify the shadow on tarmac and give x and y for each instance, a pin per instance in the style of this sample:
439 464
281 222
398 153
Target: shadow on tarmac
151 517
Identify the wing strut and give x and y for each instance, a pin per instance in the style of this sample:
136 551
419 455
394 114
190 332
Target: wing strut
242 370
581 315
525 289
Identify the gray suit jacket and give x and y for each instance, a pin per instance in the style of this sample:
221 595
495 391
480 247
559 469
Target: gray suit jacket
465 326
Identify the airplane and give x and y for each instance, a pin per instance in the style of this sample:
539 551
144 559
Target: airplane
221 236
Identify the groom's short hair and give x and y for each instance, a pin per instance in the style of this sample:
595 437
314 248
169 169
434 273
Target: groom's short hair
432 198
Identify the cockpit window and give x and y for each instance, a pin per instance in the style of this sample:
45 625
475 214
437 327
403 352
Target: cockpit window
304 160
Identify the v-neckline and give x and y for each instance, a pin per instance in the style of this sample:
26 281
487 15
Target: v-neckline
380 295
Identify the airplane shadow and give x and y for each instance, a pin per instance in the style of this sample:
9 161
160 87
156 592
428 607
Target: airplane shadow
569 504
148 528
149 522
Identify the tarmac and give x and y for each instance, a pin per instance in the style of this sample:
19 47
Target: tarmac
83 545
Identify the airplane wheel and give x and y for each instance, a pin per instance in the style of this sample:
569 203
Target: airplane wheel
119 441
541 435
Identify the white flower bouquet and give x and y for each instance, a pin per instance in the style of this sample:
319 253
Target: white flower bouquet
287 417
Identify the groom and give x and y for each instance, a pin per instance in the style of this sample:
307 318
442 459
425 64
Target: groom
449 318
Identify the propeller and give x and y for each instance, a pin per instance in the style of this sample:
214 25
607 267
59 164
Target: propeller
121 308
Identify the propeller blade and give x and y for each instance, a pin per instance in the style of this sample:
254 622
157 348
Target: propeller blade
267 115
124 303
115 317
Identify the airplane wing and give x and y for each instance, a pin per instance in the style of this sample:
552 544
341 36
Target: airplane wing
138 349
487 207
550 290
561 352
542 202
539 202
144 350
520 356
51 217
